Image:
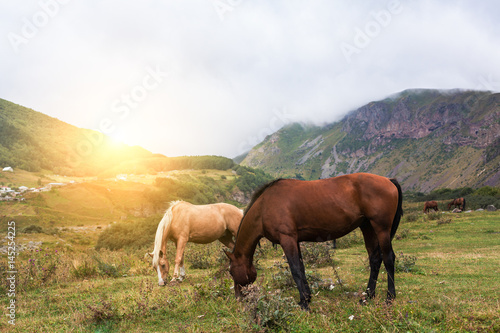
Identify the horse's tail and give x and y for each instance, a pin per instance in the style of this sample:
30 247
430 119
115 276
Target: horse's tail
463 204
399 211
162 232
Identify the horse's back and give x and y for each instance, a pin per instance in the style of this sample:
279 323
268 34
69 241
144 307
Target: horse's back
203 223
333 206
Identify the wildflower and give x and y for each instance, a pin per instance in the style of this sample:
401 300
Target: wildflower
351 317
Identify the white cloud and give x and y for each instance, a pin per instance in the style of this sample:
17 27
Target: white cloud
226 78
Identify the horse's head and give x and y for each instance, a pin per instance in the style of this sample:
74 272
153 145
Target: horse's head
243 272
162 268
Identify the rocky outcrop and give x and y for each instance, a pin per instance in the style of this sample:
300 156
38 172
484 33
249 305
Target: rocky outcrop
426 138
462 118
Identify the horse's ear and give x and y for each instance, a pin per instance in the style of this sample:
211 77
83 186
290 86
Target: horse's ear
150 254
147 255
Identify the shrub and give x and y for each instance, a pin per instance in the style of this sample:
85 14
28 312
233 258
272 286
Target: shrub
131 235
444 220
101 312
350 239
402 234
433 216
39 270
32 229
111 269
271 310
85 270
316 254
412 217
199 257
405 263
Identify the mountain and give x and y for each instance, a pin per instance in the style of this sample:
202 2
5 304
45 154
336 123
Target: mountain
426 138
33 141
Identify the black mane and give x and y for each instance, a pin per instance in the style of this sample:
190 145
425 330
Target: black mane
259 192
255 196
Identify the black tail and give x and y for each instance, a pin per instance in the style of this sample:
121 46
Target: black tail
399 211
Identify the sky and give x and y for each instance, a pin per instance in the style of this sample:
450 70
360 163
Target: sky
215 77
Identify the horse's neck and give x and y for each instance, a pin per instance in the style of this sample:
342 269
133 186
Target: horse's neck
248 237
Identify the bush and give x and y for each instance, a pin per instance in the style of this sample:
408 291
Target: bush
316 254
351 239
40 269
32 229
405 263
111 269
130 235
83 270
199 257
271 310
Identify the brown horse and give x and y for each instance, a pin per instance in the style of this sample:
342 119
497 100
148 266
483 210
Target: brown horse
460 203
289 211
430 205
184 222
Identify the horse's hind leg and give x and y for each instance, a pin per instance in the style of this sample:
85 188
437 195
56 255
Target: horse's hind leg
389 258
374 255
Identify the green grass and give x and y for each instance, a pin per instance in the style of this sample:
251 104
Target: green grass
454 286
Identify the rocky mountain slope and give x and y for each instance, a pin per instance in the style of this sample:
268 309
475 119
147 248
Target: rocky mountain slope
428 139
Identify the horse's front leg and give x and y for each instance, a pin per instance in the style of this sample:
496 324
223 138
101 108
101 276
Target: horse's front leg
179 260
292 251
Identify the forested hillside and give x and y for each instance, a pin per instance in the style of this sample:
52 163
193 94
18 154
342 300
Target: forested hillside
32 141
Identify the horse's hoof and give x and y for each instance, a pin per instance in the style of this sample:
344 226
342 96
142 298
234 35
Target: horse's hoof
304 306
363 301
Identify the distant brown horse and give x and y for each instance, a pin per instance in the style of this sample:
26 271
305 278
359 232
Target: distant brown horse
430 205
460 203
184 222
289 211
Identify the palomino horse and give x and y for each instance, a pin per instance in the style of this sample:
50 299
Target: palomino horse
184 222
428 205
289 211
460 203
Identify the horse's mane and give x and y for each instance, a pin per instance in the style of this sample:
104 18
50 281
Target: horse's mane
163 226
255 196
259 192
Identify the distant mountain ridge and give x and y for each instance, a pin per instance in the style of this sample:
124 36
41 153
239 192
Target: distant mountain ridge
426 138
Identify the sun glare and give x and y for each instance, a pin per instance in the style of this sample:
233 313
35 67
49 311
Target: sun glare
128 138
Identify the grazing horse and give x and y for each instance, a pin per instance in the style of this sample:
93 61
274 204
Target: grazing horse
430 205
460 203
184 222
289 211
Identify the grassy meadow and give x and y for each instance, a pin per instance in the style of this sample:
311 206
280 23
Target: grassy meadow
447 280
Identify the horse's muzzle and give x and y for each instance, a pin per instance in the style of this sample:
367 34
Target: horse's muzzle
237 291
